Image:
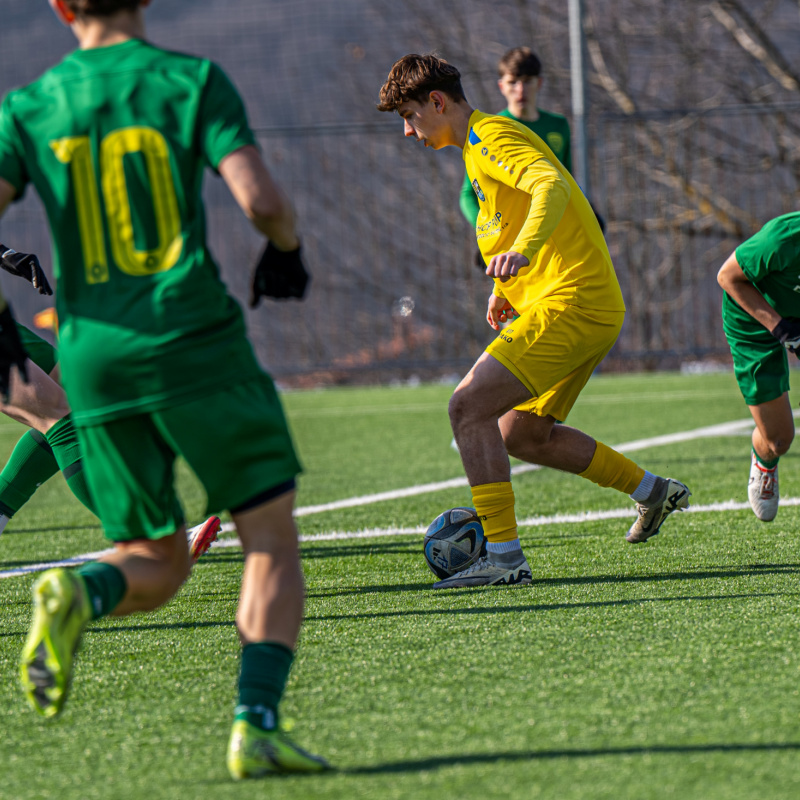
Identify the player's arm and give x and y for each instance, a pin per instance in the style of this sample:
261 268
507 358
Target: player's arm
732 279
550 193
262 200
280 272
468 202
736 284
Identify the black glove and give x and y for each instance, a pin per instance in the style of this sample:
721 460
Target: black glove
279 274
787 332
11 352
25 265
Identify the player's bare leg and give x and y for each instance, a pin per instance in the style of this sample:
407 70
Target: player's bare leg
486 394
772 438
271 601
154 570
269 617
40 403
538 440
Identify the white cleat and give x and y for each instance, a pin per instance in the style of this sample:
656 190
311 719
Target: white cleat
762 490
670 495
485 572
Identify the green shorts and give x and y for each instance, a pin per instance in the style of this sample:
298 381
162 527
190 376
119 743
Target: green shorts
42 353
235 440
759 359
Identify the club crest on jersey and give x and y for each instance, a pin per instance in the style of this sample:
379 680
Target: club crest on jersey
556 141
478 191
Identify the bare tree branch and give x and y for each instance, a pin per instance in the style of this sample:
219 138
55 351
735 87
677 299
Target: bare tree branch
755 42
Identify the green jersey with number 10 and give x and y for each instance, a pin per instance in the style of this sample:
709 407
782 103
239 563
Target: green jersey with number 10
115 140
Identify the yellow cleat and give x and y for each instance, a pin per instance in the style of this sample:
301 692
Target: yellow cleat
61 611
253 753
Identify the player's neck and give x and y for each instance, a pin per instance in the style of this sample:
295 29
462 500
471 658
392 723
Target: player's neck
103 32
459 123
527 113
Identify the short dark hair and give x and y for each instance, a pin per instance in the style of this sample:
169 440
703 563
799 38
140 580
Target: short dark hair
414 77
519 62
100 8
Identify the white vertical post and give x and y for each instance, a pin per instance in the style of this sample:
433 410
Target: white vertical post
577 51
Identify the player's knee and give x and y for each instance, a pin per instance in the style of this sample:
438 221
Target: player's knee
780 444
461 408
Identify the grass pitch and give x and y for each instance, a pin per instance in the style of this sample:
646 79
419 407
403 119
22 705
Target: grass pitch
668 669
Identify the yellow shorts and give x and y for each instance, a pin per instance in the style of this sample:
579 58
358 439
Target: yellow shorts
553 349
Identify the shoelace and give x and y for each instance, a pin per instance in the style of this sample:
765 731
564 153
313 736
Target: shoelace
767 487
476 566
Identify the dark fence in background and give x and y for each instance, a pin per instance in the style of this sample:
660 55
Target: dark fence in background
395 289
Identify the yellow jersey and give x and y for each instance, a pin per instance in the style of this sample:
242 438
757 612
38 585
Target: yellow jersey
529 203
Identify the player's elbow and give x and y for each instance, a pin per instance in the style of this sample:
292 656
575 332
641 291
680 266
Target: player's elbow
265 207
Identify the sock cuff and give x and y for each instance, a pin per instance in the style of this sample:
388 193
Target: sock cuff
764 463
276 648
504 547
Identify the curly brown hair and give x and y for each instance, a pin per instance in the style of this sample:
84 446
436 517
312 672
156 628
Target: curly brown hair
100 8
414 77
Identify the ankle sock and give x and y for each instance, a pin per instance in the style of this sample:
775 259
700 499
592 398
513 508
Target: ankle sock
645 488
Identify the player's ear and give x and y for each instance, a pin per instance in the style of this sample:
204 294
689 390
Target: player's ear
62 11
437 98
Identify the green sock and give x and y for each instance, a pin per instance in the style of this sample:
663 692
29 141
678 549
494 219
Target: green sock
766 464
63 438
106 586
31 464
265 669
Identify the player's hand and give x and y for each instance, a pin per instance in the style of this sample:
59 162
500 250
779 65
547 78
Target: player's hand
279 274
506 265
25 265
12 353
787 332
499 312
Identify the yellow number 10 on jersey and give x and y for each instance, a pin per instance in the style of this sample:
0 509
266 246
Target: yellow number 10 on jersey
77 152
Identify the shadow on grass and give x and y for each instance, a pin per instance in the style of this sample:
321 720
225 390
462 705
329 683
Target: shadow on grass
542 755
747 570
539 607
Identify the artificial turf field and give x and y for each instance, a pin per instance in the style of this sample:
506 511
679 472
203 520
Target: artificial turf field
668 669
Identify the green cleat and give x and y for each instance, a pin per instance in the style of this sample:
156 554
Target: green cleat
61 611
253 753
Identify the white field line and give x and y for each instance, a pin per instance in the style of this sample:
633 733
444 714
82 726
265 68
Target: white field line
724 429
377 533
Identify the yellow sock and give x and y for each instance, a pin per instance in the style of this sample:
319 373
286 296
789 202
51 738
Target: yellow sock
610 468
494 503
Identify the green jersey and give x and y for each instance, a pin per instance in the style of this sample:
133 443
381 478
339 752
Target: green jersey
552 128
115 140
771 262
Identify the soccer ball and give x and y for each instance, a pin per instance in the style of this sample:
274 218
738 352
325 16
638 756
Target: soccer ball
453 541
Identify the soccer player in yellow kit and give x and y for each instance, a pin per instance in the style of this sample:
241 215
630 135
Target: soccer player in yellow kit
554 278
